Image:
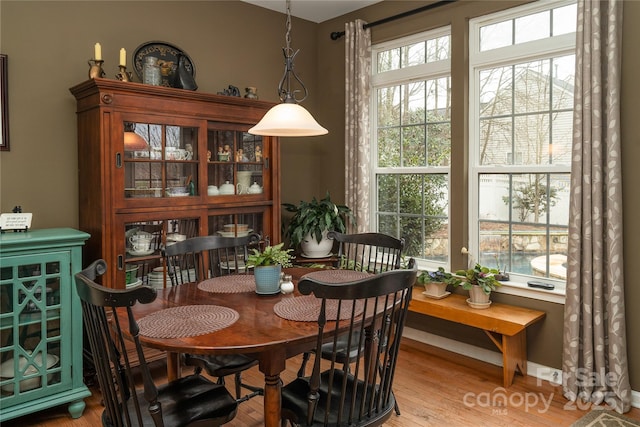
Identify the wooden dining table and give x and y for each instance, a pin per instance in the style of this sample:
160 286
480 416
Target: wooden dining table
258 332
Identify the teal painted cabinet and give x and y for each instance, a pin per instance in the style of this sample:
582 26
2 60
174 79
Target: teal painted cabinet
40 322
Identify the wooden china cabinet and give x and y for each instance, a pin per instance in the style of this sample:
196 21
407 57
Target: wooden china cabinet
161 186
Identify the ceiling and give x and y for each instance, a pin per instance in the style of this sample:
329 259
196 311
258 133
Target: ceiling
315 10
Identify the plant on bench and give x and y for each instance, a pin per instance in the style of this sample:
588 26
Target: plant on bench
435 283
479 281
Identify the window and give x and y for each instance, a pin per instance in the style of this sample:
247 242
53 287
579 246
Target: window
411 99
522 66
520 104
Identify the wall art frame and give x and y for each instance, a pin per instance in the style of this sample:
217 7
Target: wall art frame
4 105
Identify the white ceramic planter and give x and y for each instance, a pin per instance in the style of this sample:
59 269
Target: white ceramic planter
477 298
312 249
435 289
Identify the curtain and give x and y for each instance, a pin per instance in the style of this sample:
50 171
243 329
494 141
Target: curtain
594 364
357 139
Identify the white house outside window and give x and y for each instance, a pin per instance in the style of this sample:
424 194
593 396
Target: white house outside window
522 66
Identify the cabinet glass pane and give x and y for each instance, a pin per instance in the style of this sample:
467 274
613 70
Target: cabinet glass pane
167 166
145 241
30 332
235 163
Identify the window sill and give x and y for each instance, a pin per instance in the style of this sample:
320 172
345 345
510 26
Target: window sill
522 290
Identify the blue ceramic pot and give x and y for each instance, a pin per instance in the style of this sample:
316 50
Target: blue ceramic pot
267 279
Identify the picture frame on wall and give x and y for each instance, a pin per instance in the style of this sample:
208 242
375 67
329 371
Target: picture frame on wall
4 105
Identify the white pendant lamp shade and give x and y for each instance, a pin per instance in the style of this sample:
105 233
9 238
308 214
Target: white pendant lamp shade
288 119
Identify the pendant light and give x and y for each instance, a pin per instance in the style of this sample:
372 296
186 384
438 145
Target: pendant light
133 141
289 118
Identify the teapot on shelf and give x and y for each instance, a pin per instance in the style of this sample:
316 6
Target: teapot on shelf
255 188
227 188
213 190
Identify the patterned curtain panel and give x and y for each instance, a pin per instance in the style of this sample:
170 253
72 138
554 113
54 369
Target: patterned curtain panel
594 362
357 141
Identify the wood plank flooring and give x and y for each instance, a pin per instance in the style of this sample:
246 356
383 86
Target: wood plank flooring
433 387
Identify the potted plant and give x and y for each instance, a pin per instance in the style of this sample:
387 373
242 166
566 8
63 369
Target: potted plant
435 283
268 264
312 220
479 281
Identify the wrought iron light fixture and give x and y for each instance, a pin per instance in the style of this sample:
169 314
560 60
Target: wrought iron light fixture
289 118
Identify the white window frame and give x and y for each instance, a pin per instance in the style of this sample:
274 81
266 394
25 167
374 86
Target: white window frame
429 70
553 46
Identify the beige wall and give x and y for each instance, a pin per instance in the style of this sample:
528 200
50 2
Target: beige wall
49 43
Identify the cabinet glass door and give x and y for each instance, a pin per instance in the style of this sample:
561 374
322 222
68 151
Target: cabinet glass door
160 160
235 163
144 242
34 353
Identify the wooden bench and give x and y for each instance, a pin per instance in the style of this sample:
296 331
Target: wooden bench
505 325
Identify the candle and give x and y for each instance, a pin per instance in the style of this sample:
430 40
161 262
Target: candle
98 52
123 57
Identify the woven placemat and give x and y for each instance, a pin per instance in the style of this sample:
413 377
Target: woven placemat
187 321
232 284
306 308
337 276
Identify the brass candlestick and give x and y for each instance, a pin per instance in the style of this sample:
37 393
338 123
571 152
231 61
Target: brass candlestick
95 68
123 75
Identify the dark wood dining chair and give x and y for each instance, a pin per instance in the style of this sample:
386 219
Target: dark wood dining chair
370 252
190 400
200 258
360 395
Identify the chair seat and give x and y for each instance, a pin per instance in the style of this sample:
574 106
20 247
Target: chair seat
188 400
220 365
343 353
295 401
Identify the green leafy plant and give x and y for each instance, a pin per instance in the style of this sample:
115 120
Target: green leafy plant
316 217
271 255
477 276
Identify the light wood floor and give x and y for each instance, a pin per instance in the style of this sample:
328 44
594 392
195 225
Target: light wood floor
433 387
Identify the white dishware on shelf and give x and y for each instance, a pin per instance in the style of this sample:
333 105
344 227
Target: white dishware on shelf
255 188
233 233
227 188
244 181
212 190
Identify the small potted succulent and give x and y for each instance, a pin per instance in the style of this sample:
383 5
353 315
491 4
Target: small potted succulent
479 281
312 220
268 264
435 282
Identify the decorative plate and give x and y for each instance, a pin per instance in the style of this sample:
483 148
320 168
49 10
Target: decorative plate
167 55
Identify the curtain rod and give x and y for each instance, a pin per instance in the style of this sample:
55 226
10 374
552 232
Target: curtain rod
337 34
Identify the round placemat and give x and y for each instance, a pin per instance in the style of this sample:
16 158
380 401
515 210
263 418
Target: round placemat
306 308
337 276
187 321
232 284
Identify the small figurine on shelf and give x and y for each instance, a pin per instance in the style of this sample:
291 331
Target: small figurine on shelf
208 155
189 151
240 155
258 153
224 153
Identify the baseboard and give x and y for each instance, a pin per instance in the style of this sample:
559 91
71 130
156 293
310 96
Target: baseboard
544 373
